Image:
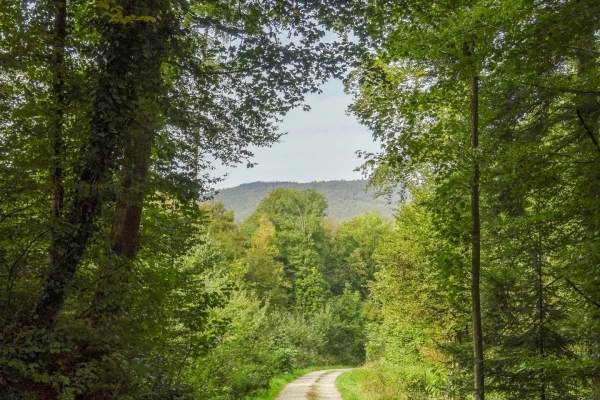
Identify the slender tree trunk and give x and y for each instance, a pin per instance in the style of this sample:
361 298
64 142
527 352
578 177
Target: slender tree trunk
55 138
476 245
537 259
541 339
58 105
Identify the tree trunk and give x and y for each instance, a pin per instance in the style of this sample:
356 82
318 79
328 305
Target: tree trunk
114 103
58 107
108 299
55 138
128 212
540 304
476 245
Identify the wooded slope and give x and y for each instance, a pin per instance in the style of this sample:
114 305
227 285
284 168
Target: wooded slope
346 199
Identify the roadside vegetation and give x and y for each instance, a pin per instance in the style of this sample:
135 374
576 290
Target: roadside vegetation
350 384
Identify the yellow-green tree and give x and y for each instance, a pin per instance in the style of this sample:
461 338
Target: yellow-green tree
261 269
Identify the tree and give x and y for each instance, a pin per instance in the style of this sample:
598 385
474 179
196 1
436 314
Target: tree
123 112
311 290
350 259
411 317
538 114
262 270
300 234
421 65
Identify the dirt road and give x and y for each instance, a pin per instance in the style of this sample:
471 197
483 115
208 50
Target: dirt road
318 385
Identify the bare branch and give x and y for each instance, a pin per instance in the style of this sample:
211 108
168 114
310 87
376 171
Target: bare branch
588 130
581 293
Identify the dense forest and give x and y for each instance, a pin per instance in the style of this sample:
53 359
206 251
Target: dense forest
345 199
118 282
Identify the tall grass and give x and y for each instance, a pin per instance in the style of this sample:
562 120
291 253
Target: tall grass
378 381
348 384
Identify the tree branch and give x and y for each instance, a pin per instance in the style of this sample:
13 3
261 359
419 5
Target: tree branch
588 130
586 50
581 293
561 89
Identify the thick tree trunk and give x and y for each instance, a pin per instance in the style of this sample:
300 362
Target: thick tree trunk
476 246
108 299
128 212
113 106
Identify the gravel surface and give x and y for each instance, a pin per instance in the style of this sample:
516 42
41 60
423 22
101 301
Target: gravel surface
318 385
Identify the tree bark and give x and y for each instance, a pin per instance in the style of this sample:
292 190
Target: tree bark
128 212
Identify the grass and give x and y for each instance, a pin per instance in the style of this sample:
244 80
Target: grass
280 381
369 383
381 382
348 384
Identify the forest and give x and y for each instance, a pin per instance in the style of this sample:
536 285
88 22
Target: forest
118 280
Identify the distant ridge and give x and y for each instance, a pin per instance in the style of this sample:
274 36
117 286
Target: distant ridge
346 199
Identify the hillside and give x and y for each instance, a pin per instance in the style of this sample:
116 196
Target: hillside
346 199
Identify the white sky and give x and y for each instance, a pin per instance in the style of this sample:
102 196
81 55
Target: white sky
319 145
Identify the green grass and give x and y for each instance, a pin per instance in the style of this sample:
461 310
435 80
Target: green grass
366 384
348 384
280 381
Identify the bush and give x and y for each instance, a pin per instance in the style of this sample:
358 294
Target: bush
244 355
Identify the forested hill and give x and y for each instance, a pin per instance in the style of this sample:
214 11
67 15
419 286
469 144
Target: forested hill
346 199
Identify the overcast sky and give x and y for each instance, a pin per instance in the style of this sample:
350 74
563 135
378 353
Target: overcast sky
319 145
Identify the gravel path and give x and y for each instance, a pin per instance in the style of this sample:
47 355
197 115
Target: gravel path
318 385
